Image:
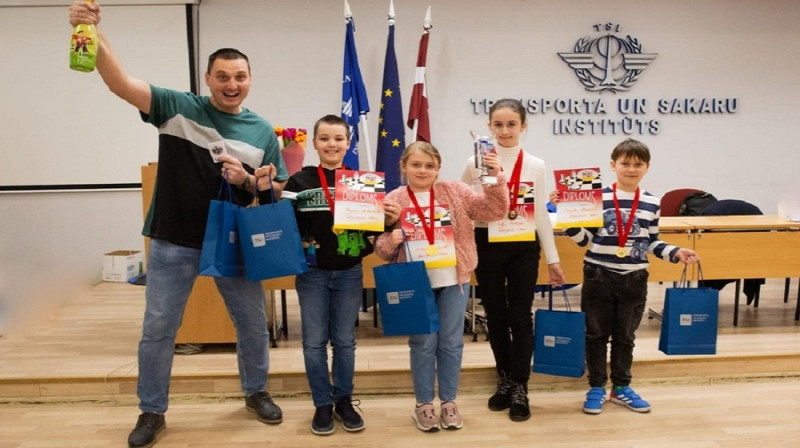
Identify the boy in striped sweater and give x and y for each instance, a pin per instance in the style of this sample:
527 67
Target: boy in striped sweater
615 275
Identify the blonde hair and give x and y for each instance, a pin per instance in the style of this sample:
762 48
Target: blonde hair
423 147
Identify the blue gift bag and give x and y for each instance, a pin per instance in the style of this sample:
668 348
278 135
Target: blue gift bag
689 324
271 243
405 298
560 342
221 253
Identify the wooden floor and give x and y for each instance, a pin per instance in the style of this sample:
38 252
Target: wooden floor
733 415
69 379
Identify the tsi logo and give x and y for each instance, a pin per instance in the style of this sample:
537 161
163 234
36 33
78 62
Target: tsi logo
549 341
392 298
258 240
686 320
608 61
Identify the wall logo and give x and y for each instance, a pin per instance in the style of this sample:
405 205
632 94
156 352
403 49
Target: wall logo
612 61
608 62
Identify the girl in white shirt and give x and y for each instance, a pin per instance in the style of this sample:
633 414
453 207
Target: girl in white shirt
507 271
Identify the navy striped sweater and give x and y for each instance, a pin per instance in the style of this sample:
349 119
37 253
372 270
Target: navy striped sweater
602 243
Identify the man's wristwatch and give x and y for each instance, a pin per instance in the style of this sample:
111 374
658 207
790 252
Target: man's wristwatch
246 184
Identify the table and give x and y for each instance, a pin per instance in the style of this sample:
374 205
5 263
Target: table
673 231
730 247
739 246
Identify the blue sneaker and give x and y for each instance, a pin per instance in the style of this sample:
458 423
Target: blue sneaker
627 397
594 400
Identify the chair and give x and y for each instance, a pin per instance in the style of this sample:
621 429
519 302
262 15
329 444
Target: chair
277 328
671 200
671 203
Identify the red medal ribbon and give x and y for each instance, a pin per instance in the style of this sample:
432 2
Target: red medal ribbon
513 183
428 229
625 231
324 182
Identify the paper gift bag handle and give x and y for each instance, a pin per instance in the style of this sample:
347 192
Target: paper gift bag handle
684 282
397 249
225 192
566 301
255 202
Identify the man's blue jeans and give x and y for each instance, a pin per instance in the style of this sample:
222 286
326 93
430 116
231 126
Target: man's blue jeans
171 273
329 303
437 356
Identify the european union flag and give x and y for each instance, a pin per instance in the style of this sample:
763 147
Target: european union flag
391 129
354 95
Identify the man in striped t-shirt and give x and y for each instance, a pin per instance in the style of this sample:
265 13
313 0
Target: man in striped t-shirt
615 275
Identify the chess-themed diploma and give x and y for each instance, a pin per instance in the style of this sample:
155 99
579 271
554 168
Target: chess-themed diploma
580 198
359 200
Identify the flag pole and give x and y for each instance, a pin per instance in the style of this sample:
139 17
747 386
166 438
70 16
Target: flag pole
391 122
355 105
416 121
364 135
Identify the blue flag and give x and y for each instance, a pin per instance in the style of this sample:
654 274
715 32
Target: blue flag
391 126
354 95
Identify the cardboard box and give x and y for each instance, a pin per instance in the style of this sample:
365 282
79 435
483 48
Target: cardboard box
122 265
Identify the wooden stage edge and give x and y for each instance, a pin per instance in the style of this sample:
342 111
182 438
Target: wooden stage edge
121 390
85 352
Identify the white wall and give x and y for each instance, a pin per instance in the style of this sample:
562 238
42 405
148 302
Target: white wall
507 48
65 123
716 48
53 245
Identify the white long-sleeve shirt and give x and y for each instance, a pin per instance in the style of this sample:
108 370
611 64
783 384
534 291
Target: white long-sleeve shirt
533 170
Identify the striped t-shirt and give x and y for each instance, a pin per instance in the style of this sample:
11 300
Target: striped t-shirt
188 179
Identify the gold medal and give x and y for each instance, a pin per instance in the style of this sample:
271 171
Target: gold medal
512 215
432 250
622 252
